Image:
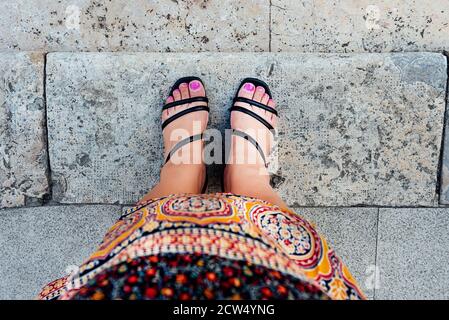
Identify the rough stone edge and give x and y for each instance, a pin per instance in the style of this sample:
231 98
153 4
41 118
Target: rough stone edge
55 55
33 201
441 201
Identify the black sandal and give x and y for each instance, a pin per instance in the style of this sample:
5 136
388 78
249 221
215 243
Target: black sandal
256 83
178 115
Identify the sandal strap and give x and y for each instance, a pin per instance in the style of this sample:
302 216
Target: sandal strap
182 143
183 113
256 104
252 141
184 101
254 115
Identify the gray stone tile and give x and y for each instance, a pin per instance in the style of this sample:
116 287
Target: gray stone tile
444 174
354 129
359 26
121 25
412 253
23 152
352 233
41 244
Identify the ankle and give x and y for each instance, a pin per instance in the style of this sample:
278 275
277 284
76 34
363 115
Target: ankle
191 175
246 176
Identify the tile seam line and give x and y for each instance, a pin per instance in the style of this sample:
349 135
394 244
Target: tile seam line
443 133
269 25
343 53
376 252
49 196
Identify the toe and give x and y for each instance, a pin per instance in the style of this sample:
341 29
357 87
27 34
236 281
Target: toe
272 104
260 91
177 94
184 88
166 113
265 98
196 89
246 91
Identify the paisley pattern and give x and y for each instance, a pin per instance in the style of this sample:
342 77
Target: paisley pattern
221 225
198 276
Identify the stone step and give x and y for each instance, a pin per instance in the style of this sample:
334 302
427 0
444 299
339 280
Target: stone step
359 129
412 253
23 149
121 25
359 26
42 244
225 25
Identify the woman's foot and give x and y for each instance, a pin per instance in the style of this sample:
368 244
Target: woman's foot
246 172
184 170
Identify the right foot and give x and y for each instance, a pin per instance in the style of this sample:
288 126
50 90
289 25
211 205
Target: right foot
244 158
187 160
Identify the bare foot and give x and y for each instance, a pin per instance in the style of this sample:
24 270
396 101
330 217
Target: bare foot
246 171
184 170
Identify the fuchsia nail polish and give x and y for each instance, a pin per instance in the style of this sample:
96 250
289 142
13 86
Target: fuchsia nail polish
249 87
195 85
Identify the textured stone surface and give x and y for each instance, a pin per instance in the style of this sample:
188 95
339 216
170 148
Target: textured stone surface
23 155
352 233
40 244
361 129
412 254
444 173
354 129
359 26
120 25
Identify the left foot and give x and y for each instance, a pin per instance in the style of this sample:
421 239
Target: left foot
191 124
244 157
184 170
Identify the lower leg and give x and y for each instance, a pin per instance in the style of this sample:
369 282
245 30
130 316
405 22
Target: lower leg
245 172
178 178
252 181
184 171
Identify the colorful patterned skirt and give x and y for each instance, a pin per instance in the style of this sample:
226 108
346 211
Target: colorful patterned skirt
209 246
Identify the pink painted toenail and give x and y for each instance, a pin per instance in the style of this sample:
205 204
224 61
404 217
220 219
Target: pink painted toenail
249 87
195 85
260 89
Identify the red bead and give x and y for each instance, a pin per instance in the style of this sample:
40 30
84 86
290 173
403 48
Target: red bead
181 278
133 279
184 296
211 276
228 272
151 272
150 293
168 292
266 292
282 290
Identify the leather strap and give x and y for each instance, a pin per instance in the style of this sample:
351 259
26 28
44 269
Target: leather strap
181 144
183 113
254 115
184 101
256 104
252 141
